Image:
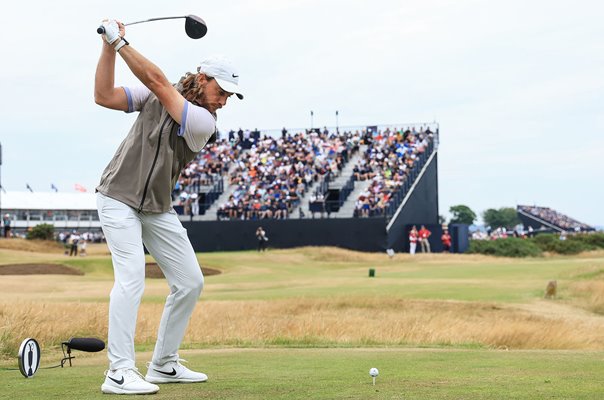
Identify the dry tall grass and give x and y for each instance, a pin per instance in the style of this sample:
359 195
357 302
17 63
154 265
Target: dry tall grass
35 246
316 322
589 294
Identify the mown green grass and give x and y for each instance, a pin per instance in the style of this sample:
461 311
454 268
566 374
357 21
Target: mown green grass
281 371
246 374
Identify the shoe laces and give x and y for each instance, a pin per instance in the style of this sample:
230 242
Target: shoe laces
130 372
177 361
133 372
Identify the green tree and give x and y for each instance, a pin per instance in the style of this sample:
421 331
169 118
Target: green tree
462 215
442 220
505 217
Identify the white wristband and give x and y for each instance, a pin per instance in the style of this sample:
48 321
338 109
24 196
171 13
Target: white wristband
123 42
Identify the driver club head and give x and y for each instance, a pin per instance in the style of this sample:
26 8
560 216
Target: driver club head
195 27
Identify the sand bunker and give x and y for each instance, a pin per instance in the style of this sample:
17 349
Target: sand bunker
38 269
152 270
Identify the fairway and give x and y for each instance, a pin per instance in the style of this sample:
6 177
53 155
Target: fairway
309 323
258 374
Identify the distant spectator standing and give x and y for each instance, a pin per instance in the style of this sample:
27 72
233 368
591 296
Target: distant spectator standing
446 239
83 244
262 239
6 222
424 234
195 204
413 236
74 239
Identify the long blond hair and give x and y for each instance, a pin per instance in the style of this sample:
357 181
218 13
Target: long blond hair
190 89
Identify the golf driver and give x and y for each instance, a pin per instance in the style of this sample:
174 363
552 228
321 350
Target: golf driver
195 27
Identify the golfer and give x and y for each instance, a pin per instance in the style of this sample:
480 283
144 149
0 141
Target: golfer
135 207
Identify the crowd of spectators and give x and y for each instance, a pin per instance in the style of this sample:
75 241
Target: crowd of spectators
555 218
273 175
390 157
205 170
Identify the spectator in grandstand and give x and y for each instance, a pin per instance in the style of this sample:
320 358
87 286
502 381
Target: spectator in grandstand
556 218
413 236
424 234
446 240
134 201
262 239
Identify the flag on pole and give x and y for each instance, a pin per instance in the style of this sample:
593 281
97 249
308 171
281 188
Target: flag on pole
53 188
80 188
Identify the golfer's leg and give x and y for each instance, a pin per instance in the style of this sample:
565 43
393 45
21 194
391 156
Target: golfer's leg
122 229
168 243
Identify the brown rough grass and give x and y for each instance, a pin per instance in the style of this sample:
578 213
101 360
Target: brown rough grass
589 295
343 321
34 246
48 246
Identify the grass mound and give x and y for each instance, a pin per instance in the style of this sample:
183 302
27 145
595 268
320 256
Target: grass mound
34 246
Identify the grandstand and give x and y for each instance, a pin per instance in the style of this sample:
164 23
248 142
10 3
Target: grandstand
352 187
538 217
302 182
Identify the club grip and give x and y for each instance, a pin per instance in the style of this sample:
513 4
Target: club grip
100 30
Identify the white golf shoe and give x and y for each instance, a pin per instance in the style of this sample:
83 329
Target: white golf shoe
173 372
127 381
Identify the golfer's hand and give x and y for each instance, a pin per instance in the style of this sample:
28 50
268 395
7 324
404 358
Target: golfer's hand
113 30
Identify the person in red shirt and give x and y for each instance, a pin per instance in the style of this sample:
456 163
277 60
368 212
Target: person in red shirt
424 234
446 239
413 236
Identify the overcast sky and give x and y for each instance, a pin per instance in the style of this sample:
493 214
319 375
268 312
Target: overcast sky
517 86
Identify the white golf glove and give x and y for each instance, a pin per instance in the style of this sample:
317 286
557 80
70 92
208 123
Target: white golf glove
112 31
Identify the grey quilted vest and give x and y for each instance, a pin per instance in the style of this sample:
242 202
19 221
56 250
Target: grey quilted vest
147 163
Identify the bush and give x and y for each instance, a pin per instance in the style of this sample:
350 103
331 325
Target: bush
570 247
42 232
573 244
510 247
593 240
546 241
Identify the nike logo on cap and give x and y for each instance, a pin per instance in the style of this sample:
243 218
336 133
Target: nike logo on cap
235 76
120 382
167 373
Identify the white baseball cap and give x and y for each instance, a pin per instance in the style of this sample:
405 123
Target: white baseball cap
221 69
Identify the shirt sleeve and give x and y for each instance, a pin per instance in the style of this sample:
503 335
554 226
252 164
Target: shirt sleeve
137 97
197 126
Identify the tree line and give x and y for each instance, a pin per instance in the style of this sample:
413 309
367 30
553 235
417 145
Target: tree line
505 217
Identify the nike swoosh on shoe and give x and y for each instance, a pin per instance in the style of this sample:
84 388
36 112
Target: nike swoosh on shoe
120 382
166 373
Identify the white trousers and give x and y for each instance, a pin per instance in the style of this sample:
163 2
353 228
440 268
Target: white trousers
166 240
412 246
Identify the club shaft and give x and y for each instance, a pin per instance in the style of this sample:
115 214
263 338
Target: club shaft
153 19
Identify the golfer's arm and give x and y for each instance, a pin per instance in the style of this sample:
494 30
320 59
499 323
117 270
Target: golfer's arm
105 92
154 79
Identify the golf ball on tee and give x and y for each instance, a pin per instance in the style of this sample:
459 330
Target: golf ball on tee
374 372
